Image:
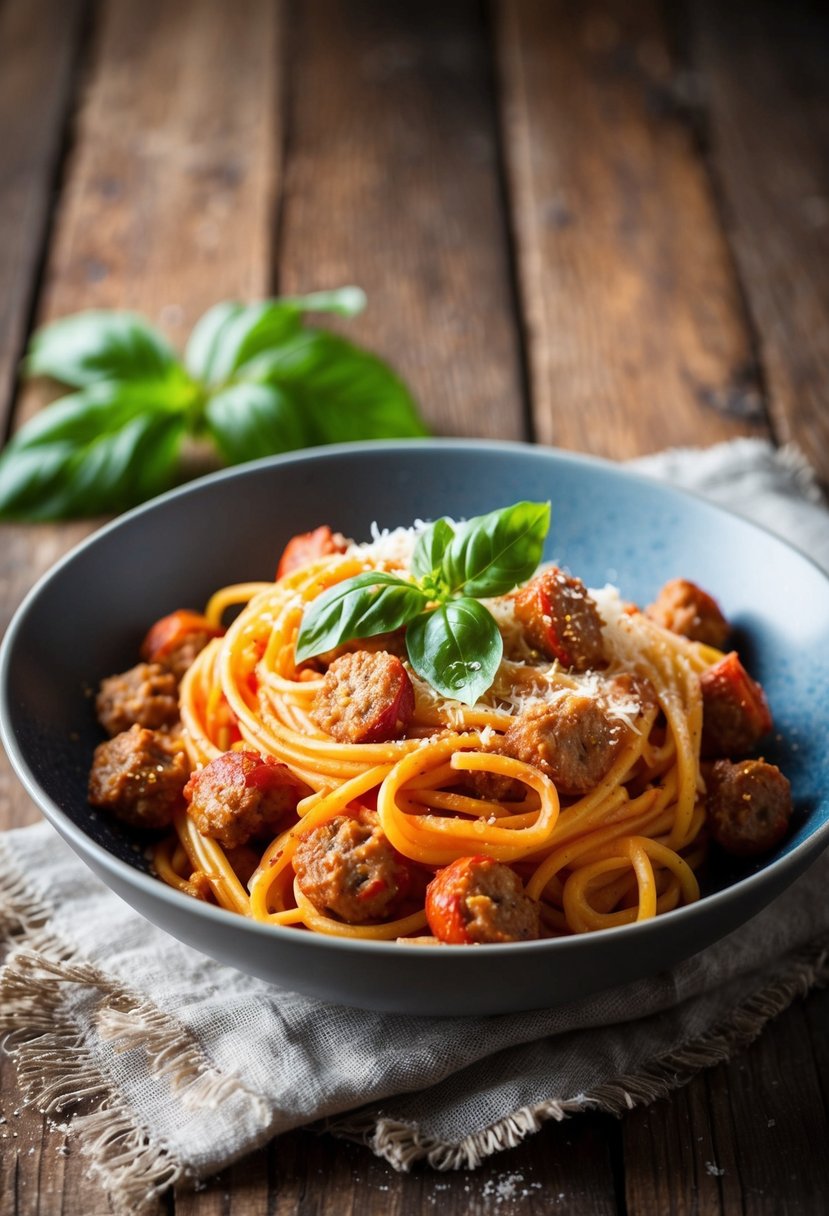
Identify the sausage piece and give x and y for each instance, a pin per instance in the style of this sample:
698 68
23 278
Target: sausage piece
348 867
476 899
573 740
561 620
308 547
175 640
735 713
365 698
748 806
686 609
240 796
147 694
139 777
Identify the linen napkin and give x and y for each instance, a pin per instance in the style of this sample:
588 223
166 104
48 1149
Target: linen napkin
169 1066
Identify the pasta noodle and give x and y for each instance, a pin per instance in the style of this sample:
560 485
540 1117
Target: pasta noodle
624 850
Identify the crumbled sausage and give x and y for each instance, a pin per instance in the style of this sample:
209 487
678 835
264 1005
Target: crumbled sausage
573 740
139 776
476 899
348 867
241 796
244 860
561 620
623 698
735 713
147 694
181 657
630 693
175 640
686 609
365 698
748 806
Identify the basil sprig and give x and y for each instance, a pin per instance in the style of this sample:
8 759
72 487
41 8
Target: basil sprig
452 639
256 379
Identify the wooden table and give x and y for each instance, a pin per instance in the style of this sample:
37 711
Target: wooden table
604 227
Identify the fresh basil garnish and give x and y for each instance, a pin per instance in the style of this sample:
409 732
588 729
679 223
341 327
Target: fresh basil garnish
457 648
360 607
493 553
256 380
452 639
430 548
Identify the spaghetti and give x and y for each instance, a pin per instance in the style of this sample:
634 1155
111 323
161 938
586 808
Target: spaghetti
623 850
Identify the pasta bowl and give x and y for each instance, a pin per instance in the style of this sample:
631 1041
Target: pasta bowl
86 617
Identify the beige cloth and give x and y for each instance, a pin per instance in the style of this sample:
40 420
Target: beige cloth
169 1066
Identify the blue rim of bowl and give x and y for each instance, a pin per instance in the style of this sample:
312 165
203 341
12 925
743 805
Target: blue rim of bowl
155 888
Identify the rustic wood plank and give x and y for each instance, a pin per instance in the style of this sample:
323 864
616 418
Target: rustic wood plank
565 1167
666 1148
392 183
169 192
766 1116
636 328
765 70
817 1018
39 44
739 1138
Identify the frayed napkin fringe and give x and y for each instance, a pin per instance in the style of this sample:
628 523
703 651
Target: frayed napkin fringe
57 1068
792 458
755 454
58 1071
403 1145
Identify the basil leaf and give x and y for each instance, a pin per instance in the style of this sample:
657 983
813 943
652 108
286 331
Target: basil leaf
92 346
231 334
360 607
430 548
251 420
457 649
102 449
343 392
491 554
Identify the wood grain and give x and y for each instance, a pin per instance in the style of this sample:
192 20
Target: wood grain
765 69
39 47
768 1108
666 1148
170 186
637 338
739 1137
392 182
566 1168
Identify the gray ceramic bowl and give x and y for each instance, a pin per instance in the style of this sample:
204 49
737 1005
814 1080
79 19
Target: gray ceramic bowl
85 619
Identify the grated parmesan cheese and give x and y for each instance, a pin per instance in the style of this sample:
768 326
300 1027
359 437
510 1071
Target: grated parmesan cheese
624 643
392 546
